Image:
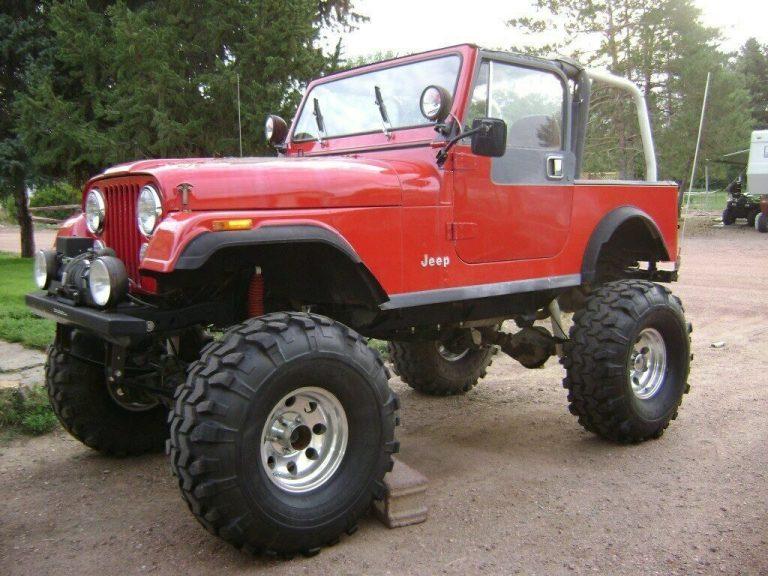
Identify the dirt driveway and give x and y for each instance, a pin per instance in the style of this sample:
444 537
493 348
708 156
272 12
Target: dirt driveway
10 241
516 486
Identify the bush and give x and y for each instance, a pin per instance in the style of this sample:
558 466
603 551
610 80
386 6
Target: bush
381 347
26 410
56 194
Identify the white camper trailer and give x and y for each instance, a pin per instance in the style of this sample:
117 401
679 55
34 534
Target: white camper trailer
757 165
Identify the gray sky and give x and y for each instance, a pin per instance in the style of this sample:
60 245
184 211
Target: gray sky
405 26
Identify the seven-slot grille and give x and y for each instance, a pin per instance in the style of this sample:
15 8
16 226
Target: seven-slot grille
120 230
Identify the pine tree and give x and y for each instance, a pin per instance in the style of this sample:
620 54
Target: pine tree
159 79
22 40
663 47
753 65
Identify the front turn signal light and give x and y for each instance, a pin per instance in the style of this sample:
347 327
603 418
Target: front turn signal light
237 224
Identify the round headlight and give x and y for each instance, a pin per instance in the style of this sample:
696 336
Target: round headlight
149 208
435 103
107 281
45 268
95 211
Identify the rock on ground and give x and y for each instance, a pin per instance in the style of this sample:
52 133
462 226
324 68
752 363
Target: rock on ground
20 366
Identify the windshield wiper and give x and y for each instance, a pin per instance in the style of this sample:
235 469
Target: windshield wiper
319 120
386 125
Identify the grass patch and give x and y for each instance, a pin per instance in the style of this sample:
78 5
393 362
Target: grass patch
701 201
381 347
25 411
17 323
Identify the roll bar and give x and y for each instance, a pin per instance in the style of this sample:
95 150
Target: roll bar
642 116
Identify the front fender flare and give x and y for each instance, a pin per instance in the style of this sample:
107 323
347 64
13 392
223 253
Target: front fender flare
202 247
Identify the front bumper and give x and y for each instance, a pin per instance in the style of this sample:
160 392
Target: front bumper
127 323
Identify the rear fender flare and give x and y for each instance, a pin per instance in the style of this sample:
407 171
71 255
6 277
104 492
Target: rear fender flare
605 230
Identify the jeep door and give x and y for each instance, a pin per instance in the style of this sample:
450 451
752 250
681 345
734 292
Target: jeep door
517 206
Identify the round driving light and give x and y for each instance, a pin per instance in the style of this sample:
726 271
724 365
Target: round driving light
435 103
107 281
95 211
149 208
44 268
275 130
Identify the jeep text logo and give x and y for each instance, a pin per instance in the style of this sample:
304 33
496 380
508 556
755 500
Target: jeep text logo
432 261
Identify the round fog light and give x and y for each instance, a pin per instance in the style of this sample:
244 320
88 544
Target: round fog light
107 281
44 268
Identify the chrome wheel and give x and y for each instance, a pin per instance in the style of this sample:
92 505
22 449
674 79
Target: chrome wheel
449 355
304 439
647 364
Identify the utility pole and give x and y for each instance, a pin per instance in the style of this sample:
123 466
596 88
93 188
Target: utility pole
239 122
706 176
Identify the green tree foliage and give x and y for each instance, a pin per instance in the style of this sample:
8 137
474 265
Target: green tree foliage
753 65
663 47
159 79
377 56
56 194
23 39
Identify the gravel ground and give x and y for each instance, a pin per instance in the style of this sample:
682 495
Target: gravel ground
10 241
516 486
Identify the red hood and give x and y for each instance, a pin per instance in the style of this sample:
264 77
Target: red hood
272 183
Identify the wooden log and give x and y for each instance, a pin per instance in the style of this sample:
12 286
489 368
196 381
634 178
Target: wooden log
44 220
53 208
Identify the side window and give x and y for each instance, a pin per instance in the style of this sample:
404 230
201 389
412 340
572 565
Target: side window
530 102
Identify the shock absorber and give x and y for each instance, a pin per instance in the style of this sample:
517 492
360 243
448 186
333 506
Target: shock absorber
256 294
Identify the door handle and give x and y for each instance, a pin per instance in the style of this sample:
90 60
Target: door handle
555 167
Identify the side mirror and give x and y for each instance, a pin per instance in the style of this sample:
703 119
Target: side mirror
490 138
276 130
435 103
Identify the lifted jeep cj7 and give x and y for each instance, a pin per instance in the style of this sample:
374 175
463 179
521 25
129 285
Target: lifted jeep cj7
424 201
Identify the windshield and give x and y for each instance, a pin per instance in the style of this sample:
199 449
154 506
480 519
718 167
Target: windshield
351 105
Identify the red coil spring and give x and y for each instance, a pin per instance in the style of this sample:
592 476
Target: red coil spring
256 295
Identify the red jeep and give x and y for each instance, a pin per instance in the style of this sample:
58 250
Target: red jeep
424 201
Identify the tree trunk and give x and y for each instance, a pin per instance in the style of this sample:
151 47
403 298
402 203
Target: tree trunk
24 218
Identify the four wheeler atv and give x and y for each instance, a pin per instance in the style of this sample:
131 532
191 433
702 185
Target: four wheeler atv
740 205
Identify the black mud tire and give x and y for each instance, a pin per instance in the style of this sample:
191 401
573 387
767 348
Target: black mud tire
751 217
761 222
219 414
426 370
729 217
597 355
79 397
